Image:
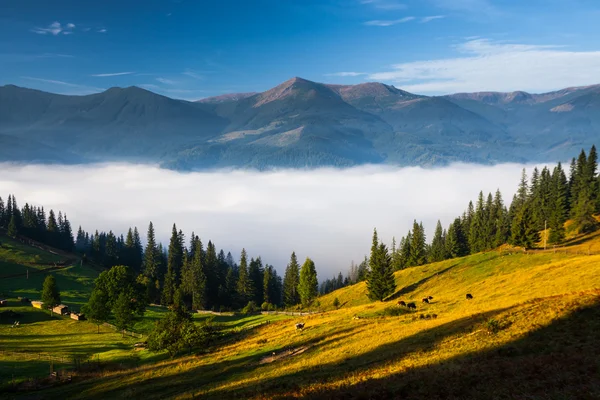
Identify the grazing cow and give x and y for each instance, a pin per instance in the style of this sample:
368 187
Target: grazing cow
434 316
426 300
469 296
411 305
401 303
430 297
421 316
300 325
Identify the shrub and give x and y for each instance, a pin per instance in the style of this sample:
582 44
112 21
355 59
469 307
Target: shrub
336 303
265 306
394 311
250 308
492 326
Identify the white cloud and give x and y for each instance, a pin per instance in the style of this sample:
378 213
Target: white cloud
193 74
83 89
378 22
431 18
166 81
55 28
112 74
102 30
483 65
347 73
317 213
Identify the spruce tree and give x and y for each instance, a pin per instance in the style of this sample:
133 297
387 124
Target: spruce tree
523 231
499 219
290 282
174 265
417 247
50 292
12 227
200 281
255 273
438 247
151 255
308 285
244 287
380 279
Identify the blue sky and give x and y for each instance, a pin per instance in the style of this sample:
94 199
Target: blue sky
194 49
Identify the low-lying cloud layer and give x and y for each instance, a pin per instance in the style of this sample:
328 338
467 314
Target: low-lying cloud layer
327 214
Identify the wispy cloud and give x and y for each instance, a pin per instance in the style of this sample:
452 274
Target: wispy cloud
166 81
425 20
385 4
483 64
101 30
55 28
193 74
346 73
378 22
83 89
112 74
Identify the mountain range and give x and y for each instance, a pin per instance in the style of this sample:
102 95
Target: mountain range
298 123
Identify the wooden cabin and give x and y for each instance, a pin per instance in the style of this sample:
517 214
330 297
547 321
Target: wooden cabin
61 309
38 304
77 317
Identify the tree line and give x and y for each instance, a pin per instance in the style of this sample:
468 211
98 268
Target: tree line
542 203
205 277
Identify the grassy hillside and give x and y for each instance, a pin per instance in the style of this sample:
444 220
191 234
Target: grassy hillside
23 269
530 332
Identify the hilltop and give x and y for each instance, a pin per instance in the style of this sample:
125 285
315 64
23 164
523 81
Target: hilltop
298 123
529 332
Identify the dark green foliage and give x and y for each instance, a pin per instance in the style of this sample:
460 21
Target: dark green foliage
308 285
290 282
244 286
380 281
12 227
255 275
123 312
437 250
50 292
418 250
250 308
97 309
336 303
524 233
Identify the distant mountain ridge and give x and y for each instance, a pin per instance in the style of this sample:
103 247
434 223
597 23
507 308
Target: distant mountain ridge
298 123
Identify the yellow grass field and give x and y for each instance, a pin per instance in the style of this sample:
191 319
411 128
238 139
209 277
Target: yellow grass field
530 332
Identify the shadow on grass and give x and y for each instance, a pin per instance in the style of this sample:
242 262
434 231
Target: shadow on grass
416 285
559 361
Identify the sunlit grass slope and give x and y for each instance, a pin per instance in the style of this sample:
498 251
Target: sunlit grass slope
531 331
75 281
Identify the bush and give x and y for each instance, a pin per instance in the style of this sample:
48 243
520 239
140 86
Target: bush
493 326
336 303
265 306
394 311
250 308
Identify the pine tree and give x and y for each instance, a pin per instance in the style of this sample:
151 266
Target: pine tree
2 213
174 265
96 309
151 255
50 292
438 247
308 285
477 227
523 231
499 220
12 227
558 202
380 280
290 282
200 281
417 247
255 273
244 287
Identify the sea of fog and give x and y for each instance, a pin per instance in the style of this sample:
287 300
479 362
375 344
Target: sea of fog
327 214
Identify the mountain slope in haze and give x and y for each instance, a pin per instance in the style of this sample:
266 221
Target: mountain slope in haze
298 123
